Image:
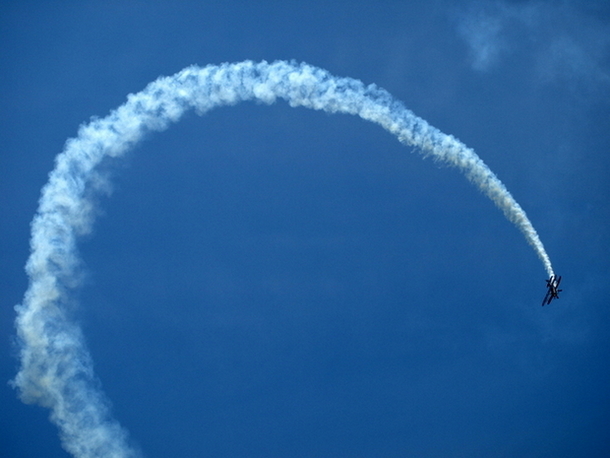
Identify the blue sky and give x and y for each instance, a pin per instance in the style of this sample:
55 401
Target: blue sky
274 281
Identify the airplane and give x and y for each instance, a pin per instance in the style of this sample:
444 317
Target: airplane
553 293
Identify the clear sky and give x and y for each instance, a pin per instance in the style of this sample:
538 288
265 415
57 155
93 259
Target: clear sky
268 281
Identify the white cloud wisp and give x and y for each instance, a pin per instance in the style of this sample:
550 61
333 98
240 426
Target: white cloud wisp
56 370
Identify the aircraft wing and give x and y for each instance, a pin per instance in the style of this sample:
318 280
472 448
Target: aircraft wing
547 299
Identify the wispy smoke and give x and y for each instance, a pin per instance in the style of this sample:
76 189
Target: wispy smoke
482 32
563 42
56 370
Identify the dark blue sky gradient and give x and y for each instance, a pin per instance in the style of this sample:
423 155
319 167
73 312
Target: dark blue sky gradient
271 281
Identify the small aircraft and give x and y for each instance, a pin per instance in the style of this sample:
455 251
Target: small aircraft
553 293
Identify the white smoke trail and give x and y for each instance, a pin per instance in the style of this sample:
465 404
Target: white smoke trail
56 370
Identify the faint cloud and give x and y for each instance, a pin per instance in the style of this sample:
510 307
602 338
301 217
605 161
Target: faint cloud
482 32
580 57
561 42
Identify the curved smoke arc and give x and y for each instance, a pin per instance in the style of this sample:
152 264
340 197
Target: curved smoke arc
56 370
